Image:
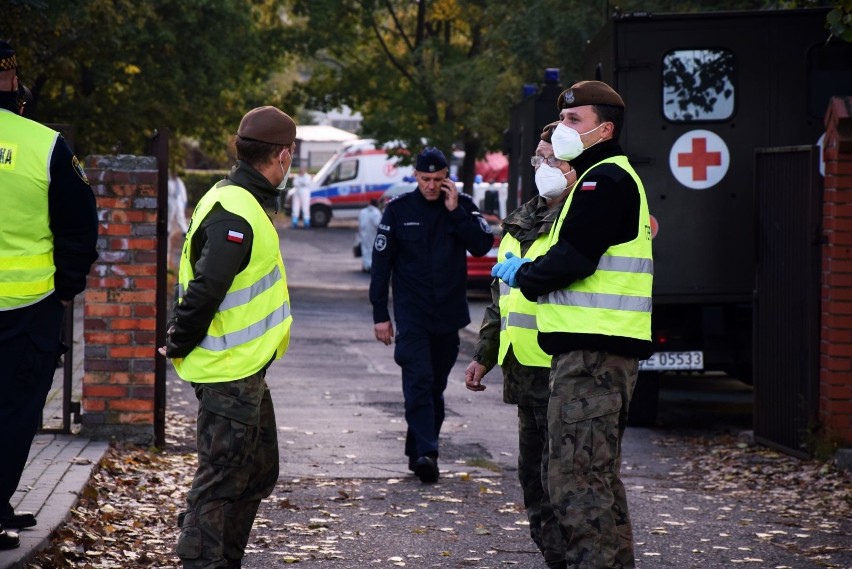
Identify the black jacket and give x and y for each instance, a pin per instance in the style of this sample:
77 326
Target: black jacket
423 247
596 220
216 262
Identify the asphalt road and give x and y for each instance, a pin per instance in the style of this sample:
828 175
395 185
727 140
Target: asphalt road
346 499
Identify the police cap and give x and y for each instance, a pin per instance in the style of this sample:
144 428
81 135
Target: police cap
430 160
7 56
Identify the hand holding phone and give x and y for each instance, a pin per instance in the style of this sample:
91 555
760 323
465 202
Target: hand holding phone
451 194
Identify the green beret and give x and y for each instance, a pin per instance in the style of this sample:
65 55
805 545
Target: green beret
588 93
547 131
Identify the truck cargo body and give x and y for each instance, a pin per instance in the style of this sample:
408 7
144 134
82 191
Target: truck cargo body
702 92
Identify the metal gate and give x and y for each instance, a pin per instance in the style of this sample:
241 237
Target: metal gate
62 405
788 221
158 146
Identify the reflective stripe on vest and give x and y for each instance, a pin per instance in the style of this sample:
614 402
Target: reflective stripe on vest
616 299
26 241
253 321
240 298
517 314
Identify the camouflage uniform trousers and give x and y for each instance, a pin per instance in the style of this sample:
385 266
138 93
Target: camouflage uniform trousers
532 473
587 415
237 467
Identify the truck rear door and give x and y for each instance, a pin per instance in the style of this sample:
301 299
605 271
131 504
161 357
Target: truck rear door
696 107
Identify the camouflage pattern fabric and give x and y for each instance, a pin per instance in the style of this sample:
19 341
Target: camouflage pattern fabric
529 389
587 414
525 385
532 473
237 467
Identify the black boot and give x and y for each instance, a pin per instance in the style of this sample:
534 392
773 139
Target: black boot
8 540
19 520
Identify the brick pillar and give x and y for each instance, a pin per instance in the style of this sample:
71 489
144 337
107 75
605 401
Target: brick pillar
120 309
835 389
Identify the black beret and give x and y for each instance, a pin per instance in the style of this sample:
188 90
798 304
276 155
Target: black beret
588 93
430 160
269 125
7 56
547 131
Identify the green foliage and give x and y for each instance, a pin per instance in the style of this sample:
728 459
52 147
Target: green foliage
118 69
839 20
446 72
197 183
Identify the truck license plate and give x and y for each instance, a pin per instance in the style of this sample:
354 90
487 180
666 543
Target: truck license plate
673 361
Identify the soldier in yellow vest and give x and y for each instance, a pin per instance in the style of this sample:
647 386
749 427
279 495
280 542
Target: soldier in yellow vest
48 243
231 320
593 289
508 337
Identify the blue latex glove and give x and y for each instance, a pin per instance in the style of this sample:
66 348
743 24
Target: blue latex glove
508 269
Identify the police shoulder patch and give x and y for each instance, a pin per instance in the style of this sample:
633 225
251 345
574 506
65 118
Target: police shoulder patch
486 227
79 169
381 242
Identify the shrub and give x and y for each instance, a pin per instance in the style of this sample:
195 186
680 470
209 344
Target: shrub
198 182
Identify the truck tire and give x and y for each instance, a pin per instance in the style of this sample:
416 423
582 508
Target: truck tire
320 215
645 402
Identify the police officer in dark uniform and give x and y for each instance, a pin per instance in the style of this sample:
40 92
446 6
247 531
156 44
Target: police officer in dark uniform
421 246
47 246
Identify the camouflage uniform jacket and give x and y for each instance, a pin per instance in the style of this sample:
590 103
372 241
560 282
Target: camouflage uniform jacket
522 385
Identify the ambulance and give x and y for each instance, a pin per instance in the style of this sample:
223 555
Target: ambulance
357 173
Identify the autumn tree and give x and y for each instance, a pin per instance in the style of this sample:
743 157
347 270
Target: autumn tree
117 69
445 72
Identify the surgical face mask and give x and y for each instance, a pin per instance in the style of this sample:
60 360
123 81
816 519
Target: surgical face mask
550 181
283 183
566 141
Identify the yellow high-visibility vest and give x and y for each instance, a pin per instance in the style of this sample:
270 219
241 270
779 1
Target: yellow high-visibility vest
616 299
517 314
26 241
253 321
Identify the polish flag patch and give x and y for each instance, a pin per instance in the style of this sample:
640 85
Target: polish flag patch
588 186
235 236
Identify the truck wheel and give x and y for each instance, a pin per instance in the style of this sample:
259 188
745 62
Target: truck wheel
645 401
320 215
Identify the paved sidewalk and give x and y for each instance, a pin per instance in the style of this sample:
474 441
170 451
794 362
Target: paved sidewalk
58 468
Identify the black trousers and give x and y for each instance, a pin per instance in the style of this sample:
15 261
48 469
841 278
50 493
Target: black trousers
426 359
30 347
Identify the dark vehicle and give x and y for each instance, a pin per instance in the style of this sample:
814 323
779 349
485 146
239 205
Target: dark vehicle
703 91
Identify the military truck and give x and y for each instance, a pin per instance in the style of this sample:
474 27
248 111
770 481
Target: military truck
702 92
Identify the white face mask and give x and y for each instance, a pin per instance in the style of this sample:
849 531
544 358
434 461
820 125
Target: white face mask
566 141
550 181
283 183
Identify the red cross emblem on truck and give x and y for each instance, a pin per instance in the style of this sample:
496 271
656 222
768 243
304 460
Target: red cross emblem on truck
699 159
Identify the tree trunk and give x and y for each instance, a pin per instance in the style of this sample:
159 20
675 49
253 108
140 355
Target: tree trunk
468 167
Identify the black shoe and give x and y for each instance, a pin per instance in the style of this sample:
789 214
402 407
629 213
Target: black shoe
411 463
19 520
9 540
426 469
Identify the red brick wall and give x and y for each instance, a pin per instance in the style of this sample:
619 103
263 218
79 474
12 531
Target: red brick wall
835 405
120 310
